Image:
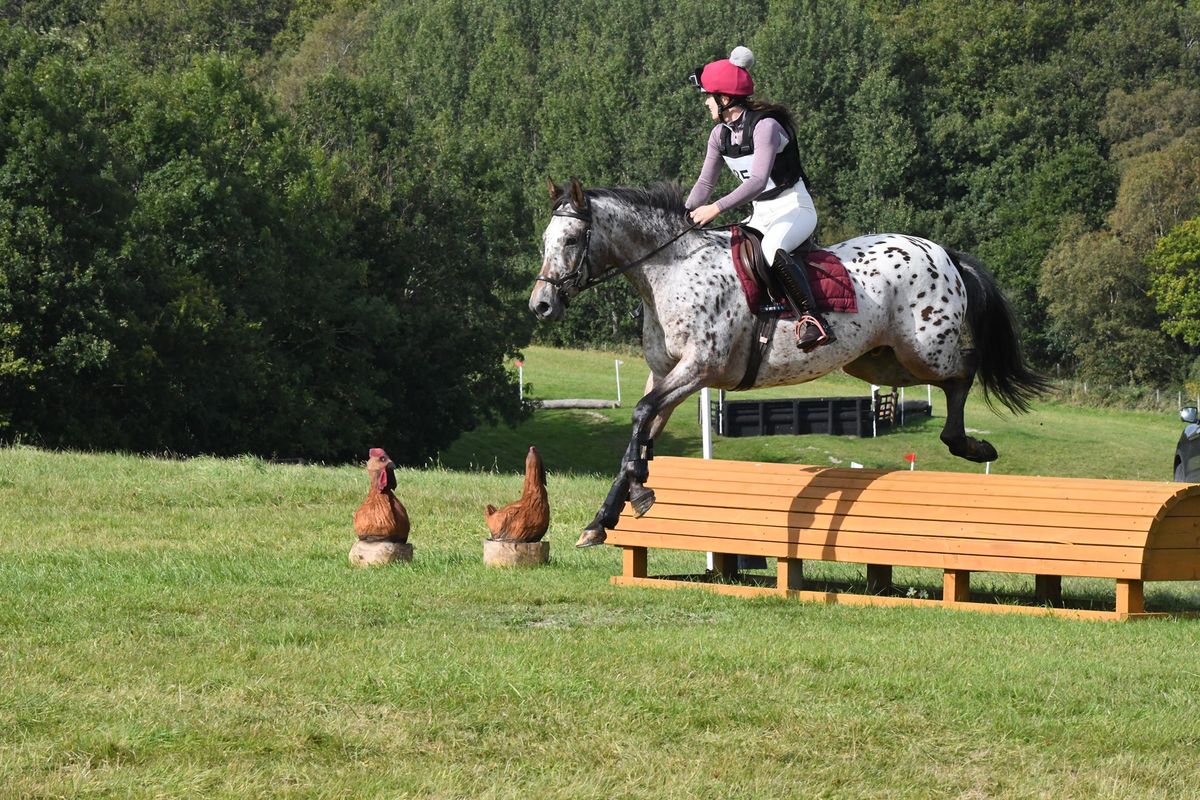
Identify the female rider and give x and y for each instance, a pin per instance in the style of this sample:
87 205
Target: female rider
758 143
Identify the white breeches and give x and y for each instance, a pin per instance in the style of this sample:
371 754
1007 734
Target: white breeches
785 221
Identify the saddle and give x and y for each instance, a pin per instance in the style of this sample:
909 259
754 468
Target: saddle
832 288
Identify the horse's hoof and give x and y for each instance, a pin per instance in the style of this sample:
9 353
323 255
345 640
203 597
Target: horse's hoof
983 453
591 537
977 450
641 500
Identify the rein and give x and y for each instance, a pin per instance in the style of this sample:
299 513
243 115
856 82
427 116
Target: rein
581 273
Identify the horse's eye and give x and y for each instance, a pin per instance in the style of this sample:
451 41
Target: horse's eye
571 241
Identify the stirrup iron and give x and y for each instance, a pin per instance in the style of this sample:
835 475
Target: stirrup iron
810 333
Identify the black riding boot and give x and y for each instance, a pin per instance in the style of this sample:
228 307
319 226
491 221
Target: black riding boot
812 330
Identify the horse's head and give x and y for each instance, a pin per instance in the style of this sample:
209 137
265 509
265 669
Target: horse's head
566 246
581 249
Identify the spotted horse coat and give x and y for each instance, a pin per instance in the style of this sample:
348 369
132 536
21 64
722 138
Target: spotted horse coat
926 314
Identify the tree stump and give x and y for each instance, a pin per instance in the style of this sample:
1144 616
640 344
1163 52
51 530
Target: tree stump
373 554
515 554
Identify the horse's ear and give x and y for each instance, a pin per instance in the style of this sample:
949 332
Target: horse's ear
555 191
577 197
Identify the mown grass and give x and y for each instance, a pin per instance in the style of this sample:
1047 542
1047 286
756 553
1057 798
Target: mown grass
1054 439
192 628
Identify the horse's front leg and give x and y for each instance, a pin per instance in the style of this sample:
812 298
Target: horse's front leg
639 495
634 471
649 417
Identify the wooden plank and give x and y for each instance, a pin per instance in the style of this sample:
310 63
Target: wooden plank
852 522
733 535
1161 494
1139 506
878 504
633 562
904 482
779 467
956 586
1162 540
701 467
1166 566
1130 598
789 574
1175 533
850 599
899 558
939 513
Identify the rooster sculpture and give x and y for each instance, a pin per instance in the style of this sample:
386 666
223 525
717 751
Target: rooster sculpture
381 517
527 519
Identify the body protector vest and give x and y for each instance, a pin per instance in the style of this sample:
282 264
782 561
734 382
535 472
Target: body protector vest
787 169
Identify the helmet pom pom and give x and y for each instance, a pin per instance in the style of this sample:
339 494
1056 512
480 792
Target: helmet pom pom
742 57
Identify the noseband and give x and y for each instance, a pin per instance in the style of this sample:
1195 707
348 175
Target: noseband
581 276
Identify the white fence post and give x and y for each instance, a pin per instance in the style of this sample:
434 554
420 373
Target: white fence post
706 439
874 409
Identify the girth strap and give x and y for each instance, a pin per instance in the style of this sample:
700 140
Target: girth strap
760 340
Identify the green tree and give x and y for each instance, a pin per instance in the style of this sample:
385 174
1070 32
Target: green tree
443 310
170 33
1096 293
1159 189
1175 280
63 198
184 267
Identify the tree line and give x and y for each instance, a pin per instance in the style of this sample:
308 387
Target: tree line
296 227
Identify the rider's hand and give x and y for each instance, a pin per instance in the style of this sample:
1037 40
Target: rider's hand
702 215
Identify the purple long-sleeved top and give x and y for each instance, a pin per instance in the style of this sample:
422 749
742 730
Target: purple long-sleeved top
767 135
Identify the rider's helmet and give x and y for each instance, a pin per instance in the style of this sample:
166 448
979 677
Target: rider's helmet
726 76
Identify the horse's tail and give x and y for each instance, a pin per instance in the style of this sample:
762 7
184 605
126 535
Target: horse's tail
1001 367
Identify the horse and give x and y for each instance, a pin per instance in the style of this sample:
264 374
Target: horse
926 315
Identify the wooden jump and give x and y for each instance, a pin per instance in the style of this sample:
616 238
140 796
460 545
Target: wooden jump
1127 531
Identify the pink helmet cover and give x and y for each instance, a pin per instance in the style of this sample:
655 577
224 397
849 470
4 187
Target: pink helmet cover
725 77
729 75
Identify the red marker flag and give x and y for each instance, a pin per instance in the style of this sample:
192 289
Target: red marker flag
911 458
519 363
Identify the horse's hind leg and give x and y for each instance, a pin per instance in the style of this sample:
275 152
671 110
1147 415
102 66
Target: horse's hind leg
954 432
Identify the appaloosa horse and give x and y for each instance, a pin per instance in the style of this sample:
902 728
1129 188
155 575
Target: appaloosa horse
925 315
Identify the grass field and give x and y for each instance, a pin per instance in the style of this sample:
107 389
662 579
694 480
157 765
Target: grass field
1055 439
192 629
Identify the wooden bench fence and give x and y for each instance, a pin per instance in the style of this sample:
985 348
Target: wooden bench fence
1127 531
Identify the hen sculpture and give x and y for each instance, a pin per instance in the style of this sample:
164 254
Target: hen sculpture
527 519
381 517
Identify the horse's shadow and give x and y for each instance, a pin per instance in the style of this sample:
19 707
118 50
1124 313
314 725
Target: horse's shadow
818 515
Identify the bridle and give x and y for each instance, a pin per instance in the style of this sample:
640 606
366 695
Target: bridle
581 275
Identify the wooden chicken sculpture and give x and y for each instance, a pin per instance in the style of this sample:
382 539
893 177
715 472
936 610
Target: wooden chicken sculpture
527 519
381 517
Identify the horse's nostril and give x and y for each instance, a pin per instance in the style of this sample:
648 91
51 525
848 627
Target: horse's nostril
542 309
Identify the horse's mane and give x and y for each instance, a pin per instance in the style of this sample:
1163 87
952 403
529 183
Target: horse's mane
662 195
